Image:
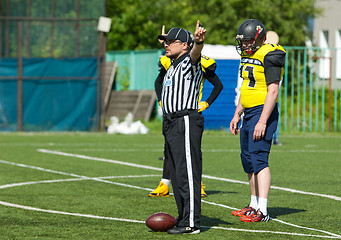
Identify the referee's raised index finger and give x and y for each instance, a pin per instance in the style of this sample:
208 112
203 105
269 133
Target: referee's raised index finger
197 24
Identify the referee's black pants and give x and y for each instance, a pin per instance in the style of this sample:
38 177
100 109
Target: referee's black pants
183 136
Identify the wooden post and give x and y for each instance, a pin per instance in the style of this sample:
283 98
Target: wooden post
103 80
100 61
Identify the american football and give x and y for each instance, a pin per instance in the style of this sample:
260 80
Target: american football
160 222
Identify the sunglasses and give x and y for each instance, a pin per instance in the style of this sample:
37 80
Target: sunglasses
171 42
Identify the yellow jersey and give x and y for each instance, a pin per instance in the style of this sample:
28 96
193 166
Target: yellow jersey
264 66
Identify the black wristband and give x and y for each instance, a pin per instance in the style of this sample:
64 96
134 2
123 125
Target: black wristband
199 43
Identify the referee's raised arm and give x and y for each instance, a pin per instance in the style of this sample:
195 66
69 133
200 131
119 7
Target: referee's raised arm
199 36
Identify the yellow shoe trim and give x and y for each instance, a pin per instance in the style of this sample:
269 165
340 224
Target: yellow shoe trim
161 191
203 194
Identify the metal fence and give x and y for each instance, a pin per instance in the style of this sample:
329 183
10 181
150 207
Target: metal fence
310 97
50 29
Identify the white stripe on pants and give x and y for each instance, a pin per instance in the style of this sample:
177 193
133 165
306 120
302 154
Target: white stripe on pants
189 171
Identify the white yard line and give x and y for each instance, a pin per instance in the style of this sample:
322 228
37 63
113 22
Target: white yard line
310 150
160 169
274 232
100 179
67 213
138 221
73 175
73 179
99 159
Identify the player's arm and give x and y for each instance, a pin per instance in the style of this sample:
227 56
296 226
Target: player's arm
272 70
217 86
199 36
236 119
158 84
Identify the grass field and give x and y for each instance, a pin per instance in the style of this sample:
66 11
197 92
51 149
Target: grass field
94 186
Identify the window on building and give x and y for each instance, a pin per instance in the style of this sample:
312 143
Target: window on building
338 53
324 39
324 69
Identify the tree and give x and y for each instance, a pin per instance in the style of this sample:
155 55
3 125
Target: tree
39 36
137 23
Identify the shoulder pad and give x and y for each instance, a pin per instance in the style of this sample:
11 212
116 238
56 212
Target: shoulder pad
206 61
165 62
266 48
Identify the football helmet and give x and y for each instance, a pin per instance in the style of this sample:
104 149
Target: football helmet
250 36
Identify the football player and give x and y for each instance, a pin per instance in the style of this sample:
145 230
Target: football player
261 68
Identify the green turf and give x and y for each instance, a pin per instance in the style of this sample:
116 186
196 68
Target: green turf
310 163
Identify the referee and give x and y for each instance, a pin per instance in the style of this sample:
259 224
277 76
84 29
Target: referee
183 125
208 66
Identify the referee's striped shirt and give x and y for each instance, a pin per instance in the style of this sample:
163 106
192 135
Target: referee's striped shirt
181 85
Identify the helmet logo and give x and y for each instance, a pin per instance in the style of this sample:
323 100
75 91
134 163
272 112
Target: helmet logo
240 36
259 29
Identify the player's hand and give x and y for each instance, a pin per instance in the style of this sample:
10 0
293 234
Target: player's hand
259 131
202 106
234 125
162 33
199 33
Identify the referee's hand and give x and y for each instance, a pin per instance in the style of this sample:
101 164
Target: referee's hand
162 33
199 33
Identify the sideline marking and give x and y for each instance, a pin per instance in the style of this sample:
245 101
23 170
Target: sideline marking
99 159
273 232
138 221
126 185
74 175
203 150
70 180
67 213
160 169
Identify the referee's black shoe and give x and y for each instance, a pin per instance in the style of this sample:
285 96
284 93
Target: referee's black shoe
184 230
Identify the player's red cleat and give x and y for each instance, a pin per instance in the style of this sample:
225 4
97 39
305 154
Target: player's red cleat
244 212
255 217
